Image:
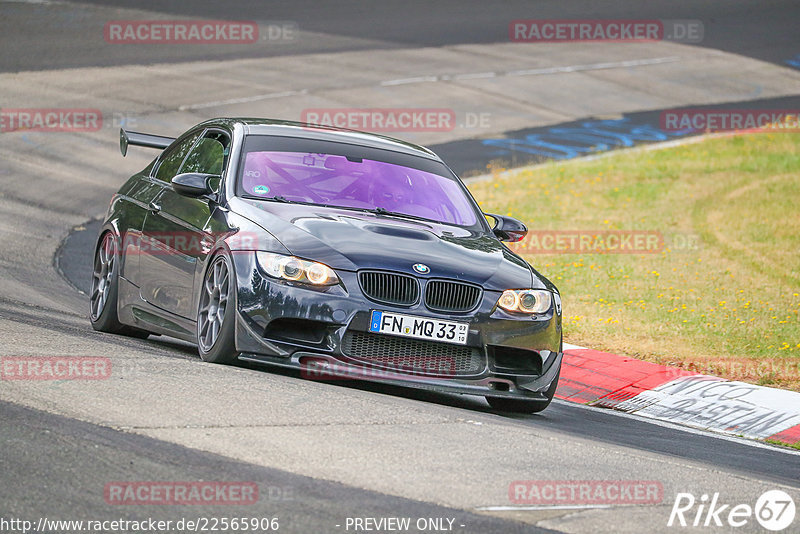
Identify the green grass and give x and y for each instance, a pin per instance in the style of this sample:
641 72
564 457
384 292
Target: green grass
777 442
722 297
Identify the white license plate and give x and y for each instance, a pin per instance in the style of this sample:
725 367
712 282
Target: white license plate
419 327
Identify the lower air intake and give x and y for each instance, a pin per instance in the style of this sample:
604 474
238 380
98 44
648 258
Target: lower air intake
413 355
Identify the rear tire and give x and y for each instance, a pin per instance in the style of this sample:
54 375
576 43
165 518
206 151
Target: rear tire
216 313
105 285
505 404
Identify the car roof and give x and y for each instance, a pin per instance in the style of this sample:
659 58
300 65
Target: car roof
282 128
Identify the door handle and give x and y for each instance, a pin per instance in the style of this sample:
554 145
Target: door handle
154 208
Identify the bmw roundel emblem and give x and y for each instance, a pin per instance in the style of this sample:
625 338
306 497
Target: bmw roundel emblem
421 268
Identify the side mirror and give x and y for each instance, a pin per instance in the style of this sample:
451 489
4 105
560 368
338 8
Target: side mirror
508 228
193 184
123 142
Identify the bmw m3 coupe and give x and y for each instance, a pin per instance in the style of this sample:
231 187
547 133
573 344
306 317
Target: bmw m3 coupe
339 253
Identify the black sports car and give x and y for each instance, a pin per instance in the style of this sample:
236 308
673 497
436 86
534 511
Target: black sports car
340 253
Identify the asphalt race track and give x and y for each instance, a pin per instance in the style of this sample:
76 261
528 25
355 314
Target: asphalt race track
763 30
324 452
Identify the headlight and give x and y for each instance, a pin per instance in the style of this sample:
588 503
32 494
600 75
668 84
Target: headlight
525 300
296 270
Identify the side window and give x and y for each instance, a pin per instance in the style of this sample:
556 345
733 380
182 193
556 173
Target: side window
206 157
171 162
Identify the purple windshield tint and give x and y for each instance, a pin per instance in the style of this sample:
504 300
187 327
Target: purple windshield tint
335 181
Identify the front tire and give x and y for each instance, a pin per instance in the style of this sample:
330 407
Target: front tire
216 313
105 286
504 404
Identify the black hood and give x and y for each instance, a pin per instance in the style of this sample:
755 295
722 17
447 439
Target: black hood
353 240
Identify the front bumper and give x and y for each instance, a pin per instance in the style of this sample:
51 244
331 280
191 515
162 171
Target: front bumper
307 328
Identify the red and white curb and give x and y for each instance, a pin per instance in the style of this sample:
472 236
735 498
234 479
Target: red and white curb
671 394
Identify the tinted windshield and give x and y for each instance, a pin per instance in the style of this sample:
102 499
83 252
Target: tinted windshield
356 183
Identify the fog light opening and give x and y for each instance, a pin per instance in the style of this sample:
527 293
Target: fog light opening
499 386
311 362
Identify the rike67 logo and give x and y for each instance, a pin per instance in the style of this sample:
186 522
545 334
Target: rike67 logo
774 510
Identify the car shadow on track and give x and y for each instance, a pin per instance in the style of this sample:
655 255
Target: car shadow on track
466 402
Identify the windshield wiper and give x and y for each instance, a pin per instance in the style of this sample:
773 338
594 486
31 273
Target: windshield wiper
383 211
283 199
377 210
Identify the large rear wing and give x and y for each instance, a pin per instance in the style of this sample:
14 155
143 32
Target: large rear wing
142 139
